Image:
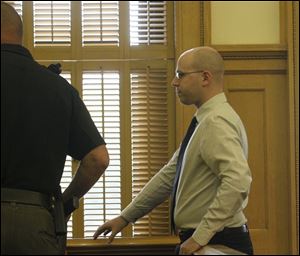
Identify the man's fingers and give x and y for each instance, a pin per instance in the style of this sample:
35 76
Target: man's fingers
99 232
106 232
111 238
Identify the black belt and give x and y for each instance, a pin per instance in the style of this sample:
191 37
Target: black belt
185 234
241 229
25 197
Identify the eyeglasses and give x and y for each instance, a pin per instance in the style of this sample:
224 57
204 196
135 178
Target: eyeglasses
180 74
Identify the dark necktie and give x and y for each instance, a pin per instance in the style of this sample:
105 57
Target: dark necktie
184 143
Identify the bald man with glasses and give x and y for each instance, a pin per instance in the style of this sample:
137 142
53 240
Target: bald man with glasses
208 177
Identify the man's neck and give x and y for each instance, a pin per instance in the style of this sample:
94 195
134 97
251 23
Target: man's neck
11 40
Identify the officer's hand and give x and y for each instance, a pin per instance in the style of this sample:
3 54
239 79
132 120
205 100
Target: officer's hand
114 226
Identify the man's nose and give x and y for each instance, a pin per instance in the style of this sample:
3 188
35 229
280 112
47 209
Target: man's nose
175 82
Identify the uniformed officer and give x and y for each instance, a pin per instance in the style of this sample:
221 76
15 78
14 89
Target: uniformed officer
43 119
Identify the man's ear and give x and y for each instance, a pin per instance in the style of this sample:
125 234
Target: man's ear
206 78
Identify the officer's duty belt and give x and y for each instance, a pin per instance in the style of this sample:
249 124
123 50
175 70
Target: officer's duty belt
25 197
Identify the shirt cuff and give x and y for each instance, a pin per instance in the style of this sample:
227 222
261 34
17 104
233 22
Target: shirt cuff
202 237
128 214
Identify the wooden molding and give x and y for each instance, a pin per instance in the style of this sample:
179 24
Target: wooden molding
123 246
202 23
293 78
256 72
248 54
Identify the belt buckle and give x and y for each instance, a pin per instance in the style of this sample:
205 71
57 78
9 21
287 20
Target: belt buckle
244 228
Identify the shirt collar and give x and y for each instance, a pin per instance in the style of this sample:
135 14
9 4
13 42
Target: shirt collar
209 105
17 49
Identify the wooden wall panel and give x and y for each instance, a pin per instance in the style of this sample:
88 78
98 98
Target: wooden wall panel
261 101
250 103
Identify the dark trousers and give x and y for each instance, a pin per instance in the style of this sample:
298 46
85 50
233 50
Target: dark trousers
28 229
236 238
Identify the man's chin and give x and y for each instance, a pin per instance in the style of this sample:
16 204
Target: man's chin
185 102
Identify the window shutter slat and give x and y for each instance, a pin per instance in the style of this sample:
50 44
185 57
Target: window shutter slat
149 129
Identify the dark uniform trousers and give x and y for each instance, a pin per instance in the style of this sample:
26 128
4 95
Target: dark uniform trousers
28 229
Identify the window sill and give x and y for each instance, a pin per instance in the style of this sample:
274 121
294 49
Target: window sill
135 246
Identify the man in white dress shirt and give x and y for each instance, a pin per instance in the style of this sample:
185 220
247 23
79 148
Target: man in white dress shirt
211 177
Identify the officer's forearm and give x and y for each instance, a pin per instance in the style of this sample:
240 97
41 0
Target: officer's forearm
90 170
83 180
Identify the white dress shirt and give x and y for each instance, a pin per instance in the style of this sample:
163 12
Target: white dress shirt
215 178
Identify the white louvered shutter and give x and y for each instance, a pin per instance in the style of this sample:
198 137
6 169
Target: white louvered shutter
148 22
17 5
67 173
149 129
101 94
64 183
100 22
52 22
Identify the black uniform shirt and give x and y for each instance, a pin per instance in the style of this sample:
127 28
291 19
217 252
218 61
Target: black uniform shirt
43 119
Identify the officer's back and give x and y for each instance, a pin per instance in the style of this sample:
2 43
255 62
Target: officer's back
36 111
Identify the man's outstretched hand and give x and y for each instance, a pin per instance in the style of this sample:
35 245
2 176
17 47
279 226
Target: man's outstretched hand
114 226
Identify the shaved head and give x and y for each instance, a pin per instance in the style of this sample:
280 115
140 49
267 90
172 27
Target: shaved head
11 25
205 58
199 75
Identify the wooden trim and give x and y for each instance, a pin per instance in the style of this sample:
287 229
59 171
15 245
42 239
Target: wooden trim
257 66
251 47
296 84
124 36
170 30
293 78
283 23
28 25
256 72
202 22
125 136
76 41
124 246
187 35
251 53
207 22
